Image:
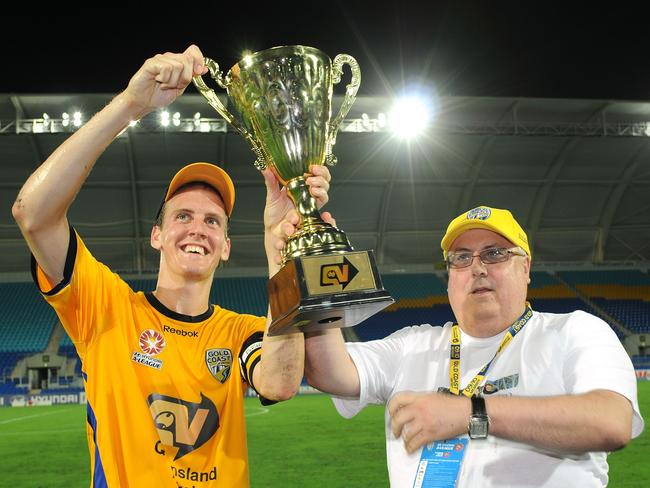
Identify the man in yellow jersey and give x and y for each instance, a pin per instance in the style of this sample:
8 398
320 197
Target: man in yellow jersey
165 372
507 396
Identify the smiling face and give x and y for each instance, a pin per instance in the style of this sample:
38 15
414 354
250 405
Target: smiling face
192 239
487 298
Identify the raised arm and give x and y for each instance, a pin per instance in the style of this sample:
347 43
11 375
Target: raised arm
42 204
281 368
600 420
328 366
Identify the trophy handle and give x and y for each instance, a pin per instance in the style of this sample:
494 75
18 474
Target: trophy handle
350 94
213 100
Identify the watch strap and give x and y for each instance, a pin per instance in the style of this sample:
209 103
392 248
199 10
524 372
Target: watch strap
479 422
478 407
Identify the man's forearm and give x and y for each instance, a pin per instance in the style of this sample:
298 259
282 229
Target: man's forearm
328 365
283 356
281 367
600 420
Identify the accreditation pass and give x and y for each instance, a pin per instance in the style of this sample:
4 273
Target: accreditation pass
440 463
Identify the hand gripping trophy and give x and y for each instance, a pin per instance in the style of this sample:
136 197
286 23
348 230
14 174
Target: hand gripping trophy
283 98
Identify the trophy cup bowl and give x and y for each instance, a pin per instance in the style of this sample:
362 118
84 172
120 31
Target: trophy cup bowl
282 98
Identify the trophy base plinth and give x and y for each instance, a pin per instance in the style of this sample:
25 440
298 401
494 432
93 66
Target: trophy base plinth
312 293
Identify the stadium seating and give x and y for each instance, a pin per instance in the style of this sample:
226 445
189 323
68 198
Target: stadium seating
623 294
622 297
27 321
59 391
11 389
635 314
246 295
8 361
423 299
641 362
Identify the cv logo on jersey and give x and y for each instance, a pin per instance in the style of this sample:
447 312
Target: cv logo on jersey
181 424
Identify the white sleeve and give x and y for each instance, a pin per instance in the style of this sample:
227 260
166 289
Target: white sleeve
597 360
377 363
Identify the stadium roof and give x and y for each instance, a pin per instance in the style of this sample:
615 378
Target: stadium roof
575 173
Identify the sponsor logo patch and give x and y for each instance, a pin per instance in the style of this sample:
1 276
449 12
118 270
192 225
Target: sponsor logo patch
152 342
181 424
146 360
338 273
191 475
180 332
219 363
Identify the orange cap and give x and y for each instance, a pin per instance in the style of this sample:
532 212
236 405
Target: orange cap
203 173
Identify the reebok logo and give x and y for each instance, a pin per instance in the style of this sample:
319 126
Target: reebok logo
182 333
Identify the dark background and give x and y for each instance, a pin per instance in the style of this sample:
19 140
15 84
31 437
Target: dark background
481 48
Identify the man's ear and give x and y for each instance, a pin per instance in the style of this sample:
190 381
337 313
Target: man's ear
155 237
527 268
225 252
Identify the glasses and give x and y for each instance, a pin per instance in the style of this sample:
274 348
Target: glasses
492 255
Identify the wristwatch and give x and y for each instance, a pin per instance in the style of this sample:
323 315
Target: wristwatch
479 422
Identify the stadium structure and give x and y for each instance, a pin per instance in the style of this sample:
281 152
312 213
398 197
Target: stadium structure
575 173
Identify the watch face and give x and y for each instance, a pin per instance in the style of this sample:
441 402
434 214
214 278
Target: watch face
478 427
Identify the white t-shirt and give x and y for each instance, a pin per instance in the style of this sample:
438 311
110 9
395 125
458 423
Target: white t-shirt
554 354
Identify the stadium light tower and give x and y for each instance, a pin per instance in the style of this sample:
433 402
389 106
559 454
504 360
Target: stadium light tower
410 115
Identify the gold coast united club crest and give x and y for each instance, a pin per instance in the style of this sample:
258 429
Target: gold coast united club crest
219 362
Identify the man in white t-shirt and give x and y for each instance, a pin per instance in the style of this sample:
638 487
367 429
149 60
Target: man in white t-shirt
505 397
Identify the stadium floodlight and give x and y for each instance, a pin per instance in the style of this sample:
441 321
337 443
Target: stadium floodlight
365 121
409 116
41 125
164 118
65 119
176 119
381 120
76 119
197 119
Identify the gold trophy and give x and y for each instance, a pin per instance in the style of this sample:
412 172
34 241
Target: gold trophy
283 100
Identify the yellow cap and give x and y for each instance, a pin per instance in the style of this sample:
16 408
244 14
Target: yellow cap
204 173
495 219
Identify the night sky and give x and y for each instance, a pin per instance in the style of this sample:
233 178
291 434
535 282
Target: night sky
481 48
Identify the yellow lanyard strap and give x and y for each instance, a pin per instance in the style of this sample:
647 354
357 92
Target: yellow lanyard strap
454 355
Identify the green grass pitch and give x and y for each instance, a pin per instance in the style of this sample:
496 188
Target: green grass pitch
301 443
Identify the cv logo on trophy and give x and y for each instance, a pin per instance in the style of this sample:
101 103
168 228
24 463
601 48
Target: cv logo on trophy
282 99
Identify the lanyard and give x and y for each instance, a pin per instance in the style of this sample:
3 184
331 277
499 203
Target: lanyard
454 355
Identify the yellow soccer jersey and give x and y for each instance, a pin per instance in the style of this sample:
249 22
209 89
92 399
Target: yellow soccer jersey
165 391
